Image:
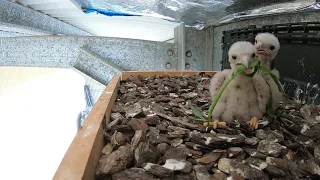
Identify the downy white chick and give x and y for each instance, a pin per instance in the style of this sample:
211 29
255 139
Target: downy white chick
239 99
267 46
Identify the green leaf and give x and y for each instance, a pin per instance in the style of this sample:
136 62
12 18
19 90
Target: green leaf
197 113
275 79
254 63
241 68
269 108
264 69
202 120
273 76
255 70
222 88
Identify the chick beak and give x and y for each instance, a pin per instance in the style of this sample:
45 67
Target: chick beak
262 52
261 49
246 63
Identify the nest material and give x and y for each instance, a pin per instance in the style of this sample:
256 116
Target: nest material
154 135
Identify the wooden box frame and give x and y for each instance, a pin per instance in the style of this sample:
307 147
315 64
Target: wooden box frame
83 154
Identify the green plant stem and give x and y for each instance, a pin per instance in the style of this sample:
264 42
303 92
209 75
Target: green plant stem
216 99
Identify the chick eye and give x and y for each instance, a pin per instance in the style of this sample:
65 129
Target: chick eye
253 55
256 41
271 47
234 57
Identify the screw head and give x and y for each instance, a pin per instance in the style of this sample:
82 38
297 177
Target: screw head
170 52
188 54
187 66
168 65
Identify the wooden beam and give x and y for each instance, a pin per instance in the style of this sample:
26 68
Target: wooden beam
84 153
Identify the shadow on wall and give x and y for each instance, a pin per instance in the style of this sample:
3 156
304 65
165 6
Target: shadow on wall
39 111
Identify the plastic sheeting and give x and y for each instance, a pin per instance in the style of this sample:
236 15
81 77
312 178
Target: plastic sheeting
198 13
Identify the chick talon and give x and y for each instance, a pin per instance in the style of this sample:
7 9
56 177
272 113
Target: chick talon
250 123
254 123
257 125
216 124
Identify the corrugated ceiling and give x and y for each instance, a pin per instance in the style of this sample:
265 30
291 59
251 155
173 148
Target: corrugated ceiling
133 27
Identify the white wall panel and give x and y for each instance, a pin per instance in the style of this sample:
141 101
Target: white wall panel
39 109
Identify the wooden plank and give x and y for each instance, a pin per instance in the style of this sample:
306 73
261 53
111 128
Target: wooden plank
82 157
126 74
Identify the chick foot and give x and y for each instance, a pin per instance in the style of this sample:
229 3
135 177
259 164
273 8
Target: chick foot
254 123
216 124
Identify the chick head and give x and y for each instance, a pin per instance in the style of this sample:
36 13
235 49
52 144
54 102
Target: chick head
241 52
267 46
